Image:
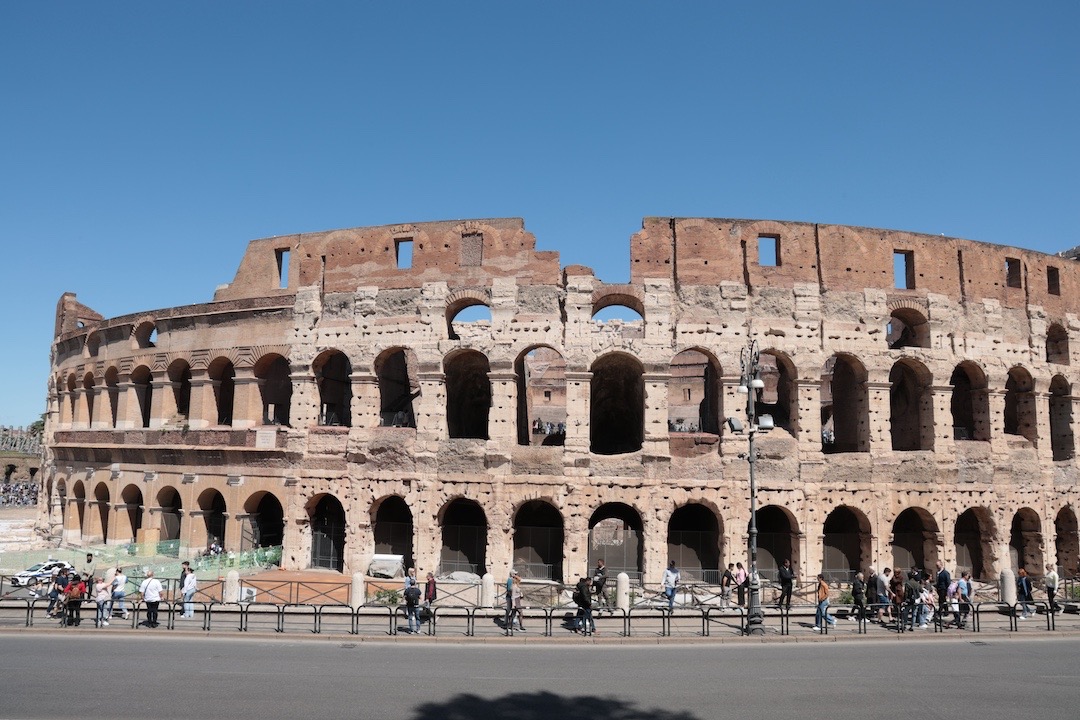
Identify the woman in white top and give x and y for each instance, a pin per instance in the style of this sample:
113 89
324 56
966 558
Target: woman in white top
151 594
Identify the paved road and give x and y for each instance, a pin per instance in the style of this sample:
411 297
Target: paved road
164 677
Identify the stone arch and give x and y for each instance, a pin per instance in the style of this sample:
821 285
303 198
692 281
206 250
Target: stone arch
780 397
1020 413
1067 541
914 539
212 506
93 344
333 374
171 508
72 388
326 515
90 395
541 396
103 507
112 389
142 382
538 540
1025 541
263 524
845 415
1062 439
179 374
275 388
973 541
907 326
617 536
392 525
460 300
845 544
969 402
630 296
399 385
468 394
132 498
777 540
911 406
1057 344
695 541
695 402
78 493
222 374
464 537
617 405
143 334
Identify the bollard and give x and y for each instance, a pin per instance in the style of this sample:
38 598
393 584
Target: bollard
1007 588
230 591
487 590
357 594
622 592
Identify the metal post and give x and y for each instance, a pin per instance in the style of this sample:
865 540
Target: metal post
754 618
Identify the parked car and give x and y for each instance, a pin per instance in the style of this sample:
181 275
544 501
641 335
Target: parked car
43 571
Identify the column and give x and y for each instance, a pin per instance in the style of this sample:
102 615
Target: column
944 442
304 410
366 401
247 400
102 419
809 420
502 419
161 399
656 413
203 410
578 404
877 416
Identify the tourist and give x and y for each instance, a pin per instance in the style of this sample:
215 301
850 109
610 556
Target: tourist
88 570
412 602
189 585
599 580
966 591
787 584
56 592
119 591
76 591
1023 594
101 599
727 582
741 578
822 615
583 598
1050 582
670 582
942 580
896 595
858 596
431 592
509 596
515 612
926 603
912 599
151 590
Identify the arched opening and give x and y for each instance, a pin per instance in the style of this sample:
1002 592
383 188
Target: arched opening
275 389
212 506
907 327
398 387
973 538
846 544
112 388
332 373
844 406
779 398
695 398
222 373
914 543
1067 542
101 503
72 387
468 319
141 380
1057 345
777 540
171 508
93 344
617 406
1025 541
464 538
264 525
538 541
145 335
1062 441
695 543
327 533
541 397
78 491
393 526
133 506
911 407
620 315
1020 405
468 395
616 536
970 403
180 378
88 391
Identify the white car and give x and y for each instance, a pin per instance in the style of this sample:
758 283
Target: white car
42 570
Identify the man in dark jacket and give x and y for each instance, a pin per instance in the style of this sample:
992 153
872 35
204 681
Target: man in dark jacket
858 595
942 581
787 583
583 599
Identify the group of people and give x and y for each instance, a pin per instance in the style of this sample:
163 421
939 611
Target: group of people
417 600
21 493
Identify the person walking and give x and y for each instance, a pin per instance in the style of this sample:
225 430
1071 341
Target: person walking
151 590
787 584
822 615
509 597
741 579
942 580
189 585
1023 594
966 591
599 580
1050 582
515 613
858 596
912 599
670 582
119 591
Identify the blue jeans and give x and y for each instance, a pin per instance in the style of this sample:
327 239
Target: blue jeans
117 599
189 607
586 620
822 615
670 592
412 614
102 616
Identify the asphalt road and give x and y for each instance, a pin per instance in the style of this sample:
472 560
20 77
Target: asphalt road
165 677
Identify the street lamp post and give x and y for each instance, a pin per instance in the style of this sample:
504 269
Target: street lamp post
751 384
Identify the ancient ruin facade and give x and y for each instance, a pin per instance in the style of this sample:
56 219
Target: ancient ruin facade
334 399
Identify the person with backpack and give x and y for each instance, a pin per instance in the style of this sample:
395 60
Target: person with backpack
412 602
76 591
582 597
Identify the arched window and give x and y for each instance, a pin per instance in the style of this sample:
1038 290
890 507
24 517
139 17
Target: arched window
911 407
1025 541
779 398
695 399
1062 440
327 518
333 373
970 403
141 379
1057 345
907 327
1067 542
844 406
180 378
846 544
275 389
914 543
695 543
1020 405
222 374
617 407
541 397
112 388
170 505
104 508
468 395
973 539
464 538
393 527
538 541
616 536
264 525
88 391
398 387
468 319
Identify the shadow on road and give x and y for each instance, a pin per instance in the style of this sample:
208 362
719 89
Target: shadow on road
542 706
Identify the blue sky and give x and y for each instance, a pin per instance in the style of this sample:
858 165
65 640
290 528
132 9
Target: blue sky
142 145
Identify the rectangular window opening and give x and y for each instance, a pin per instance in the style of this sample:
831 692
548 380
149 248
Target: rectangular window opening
687 394
403 249
1053 281
1012 272
903 269
472 249
282 268
547 396
768 248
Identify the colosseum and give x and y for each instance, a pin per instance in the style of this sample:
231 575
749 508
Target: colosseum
342 397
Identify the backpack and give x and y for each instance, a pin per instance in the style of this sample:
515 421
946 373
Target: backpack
578 598
412 595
